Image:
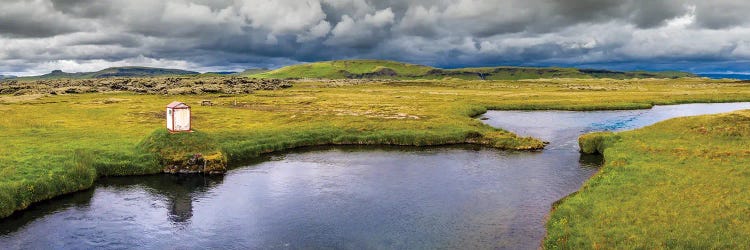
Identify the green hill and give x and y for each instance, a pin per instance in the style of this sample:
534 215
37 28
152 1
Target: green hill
349 69
254 71
113 72
380 69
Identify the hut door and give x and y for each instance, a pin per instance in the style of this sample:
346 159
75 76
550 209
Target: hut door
182 119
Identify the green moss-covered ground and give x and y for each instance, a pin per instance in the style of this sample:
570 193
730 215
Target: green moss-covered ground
58 144
682 183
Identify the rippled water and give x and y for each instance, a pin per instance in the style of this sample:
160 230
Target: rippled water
562 128
344 197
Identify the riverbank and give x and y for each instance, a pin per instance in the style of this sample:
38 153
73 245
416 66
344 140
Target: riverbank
61 144
681 183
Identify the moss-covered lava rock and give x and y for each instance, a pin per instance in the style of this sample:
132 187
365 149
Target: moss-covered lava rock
185 152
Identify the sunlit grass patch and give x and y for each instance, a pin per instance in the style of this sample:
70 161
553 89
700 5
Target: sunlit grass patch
683 183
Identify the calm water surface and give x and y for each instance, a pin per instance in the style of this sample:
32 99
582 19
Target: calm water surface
344 197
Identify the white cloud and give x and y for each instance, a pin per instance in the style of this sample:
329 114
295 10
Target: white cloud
420 20
317 31
380 19
344 26
363 32
281 16
356 8
187 18
683 21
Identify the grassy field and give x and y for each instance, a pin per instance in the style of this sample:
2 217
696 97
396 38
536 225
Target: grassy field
59 144
682 183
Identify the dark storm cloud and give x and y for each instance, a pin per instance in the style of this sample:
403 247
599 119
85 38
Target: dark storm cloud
80 35
720 14
83 8
27 19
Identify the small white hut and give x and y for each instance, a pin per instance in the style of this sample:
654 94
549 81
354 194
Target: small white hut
178 117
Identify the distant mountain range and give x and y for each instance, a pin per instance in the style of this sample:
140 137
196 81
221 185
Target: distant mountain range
115 72
380 69
130 72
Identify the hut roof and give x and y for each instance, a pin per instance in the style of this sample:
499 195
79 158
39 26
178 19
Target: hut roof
177 105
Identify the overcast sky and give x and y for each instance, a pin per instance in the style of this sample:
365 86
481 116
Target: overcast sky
38 36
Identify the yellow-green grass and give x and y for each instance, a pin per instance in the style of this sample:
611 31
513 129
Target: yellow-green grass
682 183
337 69
58 144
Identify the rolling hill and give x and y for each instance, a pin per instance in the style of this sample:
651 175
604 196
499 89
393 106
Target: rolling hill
253 71
343 69
380 69
113 72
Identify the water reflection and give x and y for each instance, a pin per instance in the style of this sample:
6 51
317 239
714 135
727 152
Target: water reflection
590 161
179 191
78 200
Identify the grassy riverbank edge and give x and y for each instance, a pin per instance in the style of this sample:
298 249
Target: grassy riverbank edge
680 183
85 166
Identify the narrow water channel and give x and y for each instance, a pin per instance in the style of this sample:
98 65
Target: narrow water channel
344 197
